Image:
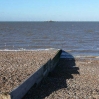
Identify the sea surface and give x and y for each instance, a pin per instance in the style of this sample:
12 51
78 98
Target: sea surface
76 38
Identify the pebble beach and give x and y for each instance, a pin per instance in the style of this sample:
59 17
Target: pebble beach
17 66
72 78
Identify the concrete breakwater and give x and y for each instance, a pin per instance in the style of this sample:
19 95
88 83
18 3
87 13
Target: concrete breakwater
34 79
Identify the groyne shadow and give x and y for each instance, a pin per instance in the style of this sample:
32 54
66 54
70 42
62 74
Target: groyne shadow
56 80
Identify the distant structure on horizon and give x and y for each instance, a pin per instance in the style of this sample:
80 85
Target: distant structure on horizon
51 21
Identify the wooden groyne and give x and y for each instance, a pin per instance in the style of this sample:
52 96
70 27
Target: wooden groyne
34 79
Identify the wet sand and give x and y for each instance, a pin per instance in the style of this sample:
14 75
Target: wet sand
71 79
17 66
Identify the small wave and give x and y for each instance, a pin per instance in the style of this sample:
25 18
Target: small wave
22 49
83 56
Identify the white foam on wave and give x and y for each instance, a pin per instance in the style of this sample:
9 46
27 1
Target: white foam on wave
97 56
22 49
84 56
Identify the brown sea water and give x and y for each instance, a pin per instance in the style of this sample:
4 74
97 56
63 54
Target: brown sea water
77 38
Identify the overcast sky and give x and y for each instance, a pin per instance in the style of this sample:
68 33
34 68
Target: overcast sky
44 10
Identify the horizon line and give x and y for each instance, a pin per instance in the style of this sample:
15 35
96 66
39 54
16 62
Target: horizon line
49 21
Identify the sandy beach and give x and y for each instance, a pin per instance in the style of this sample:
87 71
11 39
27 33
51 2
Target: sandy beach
17 66
71 79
